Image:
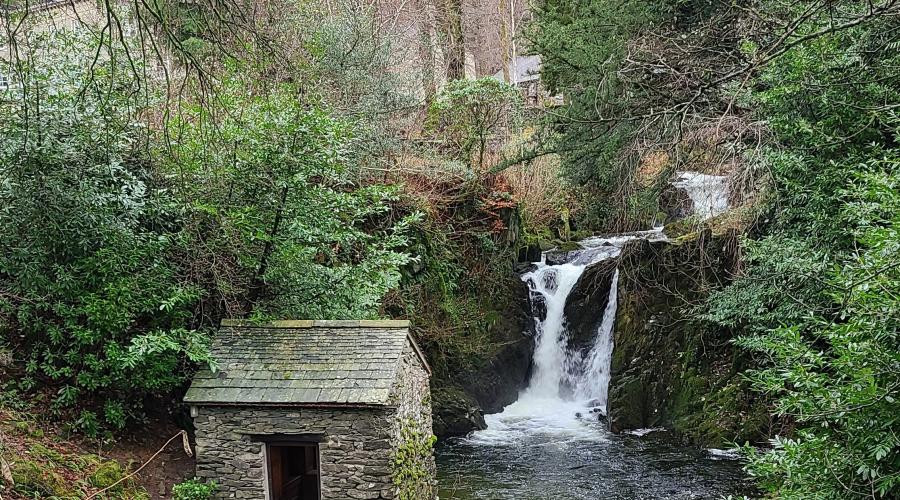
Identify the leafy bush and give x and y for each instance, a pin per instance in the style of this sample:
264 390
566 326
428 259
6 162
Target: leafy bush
468 113
120 248
276 221
86 276
837 375
194 489
820 298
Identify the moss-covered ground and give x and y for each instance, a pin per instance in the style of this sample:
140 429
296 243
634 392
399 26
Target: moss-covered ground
38 464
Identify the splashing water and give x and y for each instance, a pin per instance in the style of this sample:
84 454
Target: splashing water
709 193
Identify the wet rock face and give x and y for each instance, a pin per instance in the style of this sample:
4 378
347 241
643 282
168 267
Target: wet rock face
669 369
538 305
529 254
456 413
651 334
461 401
556 257
675 203
497 382
586 303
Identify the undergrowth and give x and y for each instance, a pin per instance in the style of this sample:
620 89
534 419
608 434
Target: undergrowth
37 464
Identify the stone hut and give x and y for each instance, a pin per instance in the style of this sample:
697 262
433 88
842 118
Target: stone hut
315 410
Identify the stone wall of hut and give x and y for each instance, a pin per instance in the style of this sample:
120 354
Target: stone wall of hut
355 458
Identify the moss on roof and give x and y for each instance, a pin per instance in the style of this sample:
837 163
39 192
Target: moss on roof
303 363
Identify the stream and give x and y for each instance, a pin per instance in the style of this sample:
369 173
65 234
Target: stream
553 443
606 466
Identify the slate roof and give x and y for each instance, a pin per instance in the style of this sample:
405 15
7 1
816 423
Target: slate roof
307 363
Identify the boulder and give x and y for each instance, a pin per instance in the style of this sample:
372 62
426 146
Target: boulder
529 253
455 412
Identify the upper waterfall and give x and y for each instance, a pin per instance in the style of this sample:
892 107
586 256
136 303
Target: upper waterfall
709 193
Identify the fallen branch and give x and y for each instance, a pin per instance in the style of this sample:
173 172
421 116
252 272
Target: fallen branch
187 449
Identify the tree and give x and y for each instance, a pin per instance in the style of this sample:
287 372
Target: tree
128 233
271 199
468 113
818 299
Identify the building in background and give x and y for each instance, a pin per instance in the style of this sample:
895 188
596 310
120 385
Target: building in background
525 73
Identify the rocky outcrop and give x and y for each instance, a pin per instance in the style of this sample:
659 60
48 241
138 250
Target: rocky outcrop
670 369
461 399
497 382
586 303
456 413
675 203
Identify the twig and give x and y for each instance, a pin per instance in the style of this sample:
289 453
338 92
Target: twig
182 434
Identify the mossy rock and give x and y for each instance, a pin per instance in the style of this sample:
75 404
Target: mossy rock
42 452
32 478
668 368
567 246
28 429
455 412
545 245
629 411
687 238
682 227
582 234
106 474
85 463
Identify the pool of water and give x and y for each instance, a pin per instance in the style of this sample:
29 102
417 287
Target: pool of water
593 465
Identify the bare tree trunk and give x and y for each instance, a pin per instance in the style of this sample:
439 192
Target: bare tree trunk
257 286
506 36
513 32
427 49
456 47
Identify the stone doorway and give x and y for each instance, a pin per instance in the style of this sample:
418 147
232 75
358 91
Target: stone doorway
293 469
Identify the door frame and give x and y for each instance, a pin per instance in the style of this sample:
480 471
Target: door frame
289 440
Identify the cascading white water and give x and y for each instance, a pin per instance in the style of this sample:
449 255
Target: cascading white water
552 363
550 443
549 405
594 384
709 193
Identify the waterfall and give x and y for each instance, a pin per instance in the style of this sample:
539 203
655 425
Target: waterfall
594 383
567 387
709 193
552 363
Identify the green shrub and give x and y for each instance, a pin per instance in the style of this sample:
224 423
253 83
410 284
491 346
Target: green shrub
468 113
194 489
119 249
819 299
91 288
